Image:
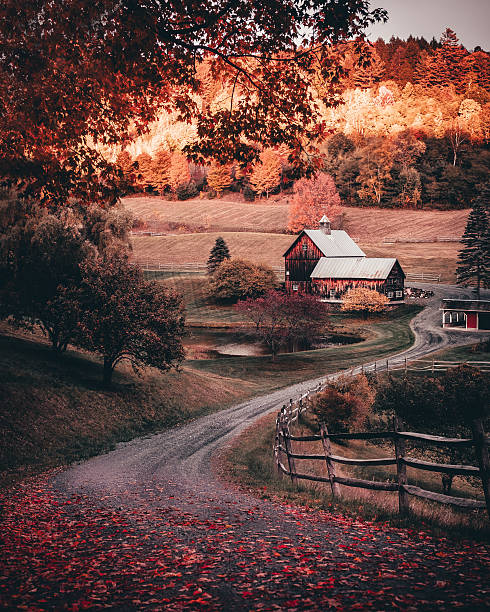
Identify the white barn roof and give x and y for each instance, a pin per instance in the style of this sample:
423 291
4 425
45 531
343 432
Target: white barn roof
336 244
354 267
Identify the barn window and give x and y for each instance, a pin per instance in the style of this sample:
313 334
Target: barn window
295 287
305 247
390 294
399 294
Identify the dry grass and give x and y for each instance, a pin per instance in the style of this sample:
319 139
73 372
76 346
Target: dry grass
370 225
249 462
185 248
210 215
54 410
438 258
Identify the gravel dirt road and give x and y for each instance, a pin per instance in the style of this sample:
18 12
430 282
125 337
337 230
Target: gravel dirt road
153 527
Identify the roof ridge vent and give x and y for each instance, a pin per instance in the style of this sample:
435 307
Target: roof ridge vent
325 226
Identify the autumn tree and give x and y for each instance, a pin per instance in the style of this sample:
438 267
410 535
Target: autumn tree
361 299
126 318
145 170
160 169
345 404
313 198
116 72
219 178
375 170
126 165
236 279
474 258
281 319
266 173
218 254
40 276
179 171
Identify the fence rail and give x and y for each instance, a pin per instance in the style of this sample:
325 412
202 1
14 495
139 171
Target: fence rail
422 277
409 239
150 265
283 450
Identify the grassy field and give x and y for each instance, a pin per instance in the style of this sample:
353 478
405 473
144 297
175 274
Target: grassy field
370 225
430 258
385 337
54 410
185 248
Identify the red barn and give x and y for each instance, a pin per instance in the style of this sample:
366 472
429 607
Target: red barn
328 262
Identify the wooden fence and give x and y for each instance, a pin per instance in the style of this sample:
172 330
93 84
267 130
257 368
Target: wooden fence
284 452
422 277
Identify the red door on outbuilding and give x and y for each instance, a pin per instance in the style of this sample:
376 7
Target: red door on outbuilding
471 320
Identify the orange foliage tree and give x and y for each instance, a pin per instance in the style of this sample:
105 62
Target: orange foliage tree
361 299
266 174
219 178
179 170
312 199
145 170
161 169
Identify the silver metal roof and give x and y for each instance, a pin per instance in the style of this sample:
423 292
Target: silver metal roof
350 267
336 244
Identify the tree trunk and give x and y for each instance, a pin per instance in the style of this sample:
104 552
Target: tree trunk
108 369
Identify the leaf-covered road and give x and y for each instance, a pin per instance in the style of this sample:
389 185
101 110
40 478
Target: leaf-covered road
149 526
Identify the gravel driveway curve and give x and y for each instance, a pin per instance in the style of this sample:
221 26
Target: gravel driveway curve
250 554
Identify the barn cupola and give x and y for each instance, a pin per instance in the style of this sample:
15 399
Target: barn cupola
325 225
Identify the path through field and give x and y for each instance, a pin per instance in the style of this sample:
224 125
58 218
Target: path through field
151 526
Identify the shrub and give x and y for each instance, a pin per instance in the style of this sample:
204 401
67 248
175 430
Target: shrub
248 193
186 192
345 404
236 279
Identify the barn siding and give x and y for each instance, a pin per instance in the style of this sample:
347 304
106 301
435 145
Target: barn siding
299 263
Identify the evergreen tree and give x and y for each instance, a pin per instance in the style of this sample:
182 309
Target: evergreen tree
218 254
475 257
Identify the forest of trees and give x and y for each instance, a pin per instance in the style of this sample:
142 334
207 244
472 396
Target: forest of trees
412 129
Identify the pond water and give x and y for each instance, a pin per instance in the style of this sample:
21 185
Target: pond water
201 343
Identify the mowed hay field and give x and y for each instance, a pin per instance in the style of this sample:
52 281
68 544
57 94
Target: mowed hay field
194 248
210 215
438 258
369 225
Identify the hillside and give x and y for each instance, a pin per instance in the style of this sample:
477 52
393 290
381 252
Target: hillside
54 410
369 225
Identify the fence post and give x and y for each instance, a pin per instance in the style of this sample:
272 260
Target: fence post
387 366
401 468
432 366
291 464
375 367
405 365
278 444
327 449
481 450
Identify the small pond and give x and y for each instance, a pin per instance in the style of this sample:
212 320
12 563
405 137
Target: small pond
215 343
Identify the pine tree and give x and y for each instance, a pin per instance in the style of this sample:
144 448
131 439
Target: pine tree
161 169
217 255
474 259
219 178
267 174
145 170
